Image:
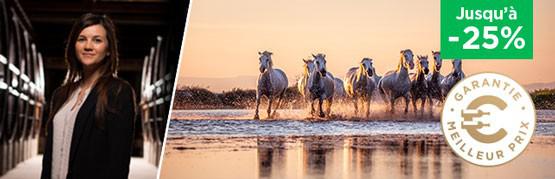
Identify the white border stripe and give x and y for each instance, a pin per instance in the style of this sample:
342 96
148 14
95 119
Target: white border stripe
160 163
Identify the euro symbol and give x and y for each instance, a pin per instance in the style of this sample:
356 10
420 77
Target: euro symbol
472 127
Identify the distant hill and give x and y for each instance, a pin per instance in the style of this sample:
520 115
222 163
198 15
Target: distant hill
537 86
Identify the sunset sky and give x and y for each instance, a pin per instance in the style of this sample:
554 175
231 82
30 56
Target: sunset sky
223 37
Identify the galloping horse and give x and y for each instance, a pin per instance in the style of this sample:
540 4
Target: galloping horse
272 82
419 88
320 84
395 84
302 84
452 78
360 84
434 80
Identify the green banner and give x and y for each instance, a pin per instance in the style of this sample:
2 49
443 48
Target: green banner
487 29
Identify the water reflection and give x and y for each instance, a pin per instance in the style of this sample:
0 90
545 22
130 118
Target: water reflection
360 157
435 159
352 157
384 156
316 154
271 157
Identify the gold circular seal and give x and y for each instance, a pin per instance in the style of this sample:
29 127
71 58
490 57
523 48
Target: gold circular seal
488 119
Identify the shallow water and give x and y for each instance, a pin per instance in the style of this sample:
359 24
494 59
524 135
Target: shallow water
377 156
229 144
296 128
239 123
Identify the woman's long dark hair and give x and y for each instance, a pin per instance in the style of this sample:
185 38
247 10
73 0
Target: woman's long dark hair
107 67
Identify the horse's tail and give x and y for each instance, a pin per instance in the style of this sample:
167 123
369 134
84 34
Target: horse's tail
300 86
281 95
380 87
381 90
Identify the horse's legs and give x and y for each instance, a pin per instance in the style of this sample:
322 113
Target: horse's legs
382 94
312 107
279 103
422 106
414 98
407 100
385 99
360 102
330 102
321 100
431 103
355 102
392 104
368 102
257 105
270 99
441 99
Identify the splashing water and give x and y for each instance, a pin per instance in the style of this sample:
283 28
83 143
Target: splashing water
293 122
340 110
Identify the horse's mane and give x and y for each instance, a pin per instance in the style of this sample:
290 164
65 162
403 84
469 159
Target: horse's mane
306 72
361 71
419 66
400 64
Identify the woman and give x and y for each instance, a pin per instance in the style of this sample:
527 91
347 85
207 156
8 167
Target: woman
91 119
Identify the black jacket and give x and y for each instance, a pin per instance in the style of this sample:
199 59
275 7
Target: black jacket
99 152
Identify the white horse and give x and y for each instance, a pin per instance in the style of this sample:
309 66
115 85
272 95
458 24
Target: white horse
434 80
320 85
302 84
452 78
395 84
272 82
339 91
419 88
360 84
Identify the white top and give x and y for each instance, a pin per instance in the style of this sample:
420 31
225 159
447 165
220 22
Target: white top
64 122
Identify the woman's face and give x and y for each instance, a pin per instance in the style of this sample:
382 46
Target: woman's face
91 46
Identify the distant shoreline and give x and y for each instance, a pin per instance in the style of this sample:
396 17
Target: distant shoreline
202 98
